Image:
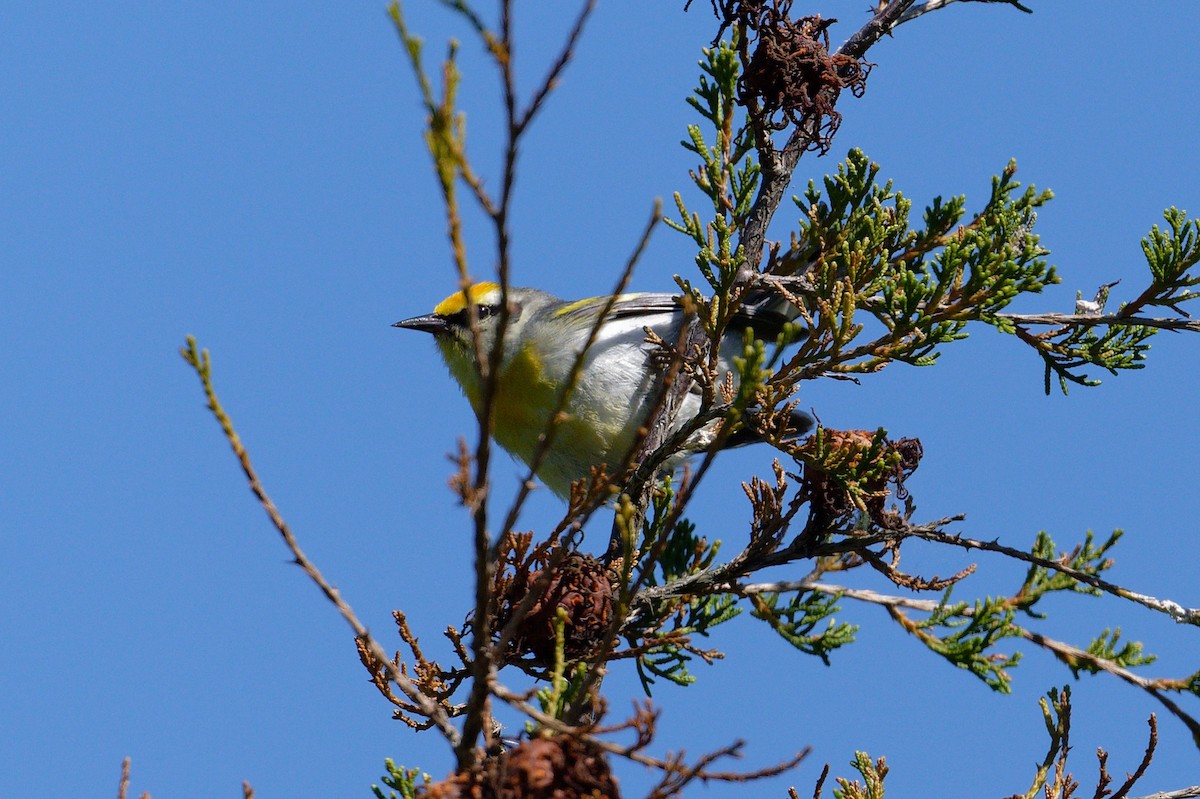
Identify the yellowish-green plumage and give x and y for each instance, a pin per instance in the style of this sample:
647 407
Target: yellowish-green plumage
522 404
542 340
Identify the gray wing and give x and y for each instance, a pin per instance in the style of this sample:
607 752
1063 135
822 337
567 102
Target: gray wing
766 321
635 304
761 315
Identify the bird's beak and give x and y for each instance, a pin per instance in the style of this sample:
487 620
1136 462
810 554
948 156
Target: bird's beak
430 323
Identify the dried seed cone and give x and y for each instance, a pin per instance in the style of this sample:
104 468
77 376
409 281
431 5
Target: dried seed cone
556 768
467 785
580 587
853 460
560 767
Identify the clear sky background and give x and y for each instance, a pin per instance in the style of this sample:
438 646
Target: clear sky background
253 174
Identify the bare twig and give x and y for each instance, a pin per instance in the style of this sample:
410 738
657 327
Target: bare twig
1183 793
778 165
934 5
500 45
202 364
723 578
445 136
560 63
1082 320
671 764
123 786
1173 609
548 435
482 665
1147 757
547 438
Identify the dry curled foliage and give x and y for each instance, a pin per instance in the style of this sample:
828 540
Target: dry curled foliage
790 78
427 675
849 471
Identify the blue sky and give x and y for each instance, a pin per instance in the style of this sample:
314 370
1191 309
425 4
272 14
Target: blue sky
253 174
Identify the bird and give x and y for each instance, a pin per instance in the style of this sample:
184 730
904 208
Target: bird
616 388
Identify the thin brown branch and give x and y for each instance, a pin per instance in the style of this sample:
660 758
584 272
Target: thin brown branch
723 578
202 364
778 165
501 46
1147 757
564 57
1173 609
445 135
546 440
671 763
123 786
475 184
1071 655
1119 320
469 14
934 5
483 658
1183 793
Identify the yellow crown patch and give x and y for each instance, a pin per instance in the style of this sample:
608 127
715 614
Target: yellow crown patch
477 293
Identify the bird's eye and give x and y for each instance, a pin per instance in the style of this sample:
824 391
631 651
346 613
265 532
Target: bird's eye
484 311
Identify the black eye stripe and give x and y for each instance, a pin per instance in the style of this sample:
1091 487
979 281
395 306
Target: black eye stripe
462 318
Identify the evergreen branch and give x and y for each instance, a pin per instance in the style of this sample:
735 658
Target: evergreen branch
856 253
1071 656
1169 255
873 773
971 633
1056 714
795 621
402 781
779 165
1075 342
1173 609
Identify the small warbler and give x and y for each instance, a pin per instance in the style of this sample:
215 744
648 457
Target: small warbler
616 388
